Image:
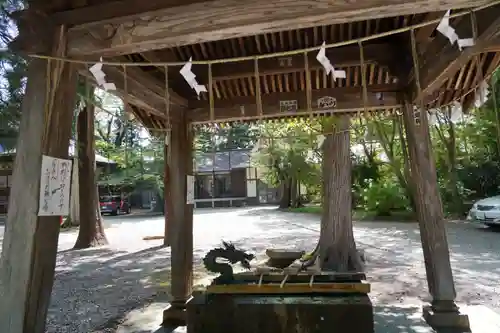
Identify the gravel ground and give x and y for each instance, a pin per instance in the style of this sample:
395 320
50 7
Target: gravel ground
95 288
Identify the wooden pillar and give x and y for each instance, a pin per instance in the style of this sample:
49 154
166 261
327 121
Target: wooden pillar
30 242
443 311
180 221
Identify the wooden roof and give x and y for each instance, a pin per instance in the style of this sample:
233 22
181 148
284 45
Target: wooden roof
174 31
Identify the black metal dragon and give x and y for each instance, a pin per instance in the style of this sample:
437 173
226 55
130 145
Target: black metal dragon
227 251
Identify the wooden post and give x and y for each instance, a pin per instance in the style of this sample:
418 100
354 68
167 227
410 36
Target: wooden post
30 244
443 311
180 222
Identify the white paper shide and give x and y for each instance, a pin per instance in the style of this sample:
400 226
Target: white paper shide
327 65
449 32
190 77
55 183
100 77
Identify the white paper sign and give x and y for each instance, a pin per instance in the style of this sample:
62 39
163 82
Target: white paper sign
55 182
251 188
190 190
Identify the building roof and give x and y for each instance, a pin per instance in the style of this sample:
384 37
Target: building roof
222 160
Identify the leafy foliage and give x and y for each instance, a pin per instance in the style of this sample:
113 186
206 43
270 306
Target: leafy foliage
383 198
466 152
12 74
223 138
287 154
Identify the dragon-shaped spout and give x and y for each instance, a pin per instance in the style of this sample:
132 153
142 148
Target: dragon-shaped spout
227 251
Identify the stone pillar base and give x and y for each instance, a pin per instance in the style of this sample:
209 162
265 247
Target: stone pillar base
175 314
442 322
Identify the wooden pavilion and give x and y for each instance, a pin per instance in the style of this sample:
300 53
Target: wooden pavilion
378 43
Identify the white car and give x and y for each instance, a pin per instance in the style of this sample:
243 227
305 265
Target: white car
486 211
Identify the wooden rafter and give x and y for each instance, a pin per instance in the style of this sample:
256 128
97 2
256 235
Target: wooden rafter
438 67
143 90
187 24
342 57
423 35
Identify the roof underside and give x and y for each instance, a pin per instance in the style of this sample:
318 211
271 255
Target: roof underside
380 73
387 68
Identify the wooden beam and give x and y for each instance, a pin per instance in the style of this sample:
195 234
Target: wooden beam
142 116
244 108
109 10
423 35
137 94
438 67
180 161
144 90
380 53
444 314
492 62
493 47
492 65
156 28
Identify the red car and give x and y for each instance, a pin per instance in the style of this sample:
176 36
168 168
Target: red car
114 205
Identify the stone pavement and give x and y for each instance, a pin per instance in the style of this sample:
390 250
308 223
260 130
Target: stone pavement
389 318
108 289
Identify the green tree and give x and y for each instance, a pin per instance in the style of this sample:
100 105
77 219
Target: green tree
223 138
12 77
286 153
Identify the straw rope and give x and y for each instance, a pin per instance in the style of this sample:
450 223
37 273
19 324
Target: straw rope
255 58
363 75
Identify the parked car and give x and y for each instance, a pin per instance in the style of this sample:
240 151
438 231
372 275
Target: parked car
114 205
486 211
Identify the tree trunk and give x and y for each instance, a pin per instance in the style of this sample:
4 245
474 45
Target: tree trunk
285 193
294 193
337 249
74 212
91 231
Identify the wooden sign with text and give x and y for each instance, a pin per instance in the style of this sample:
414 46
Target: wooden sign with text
289 106
55 183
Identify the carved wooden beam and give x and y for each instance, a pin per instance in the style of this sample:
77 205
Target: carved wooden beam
439 65
134 27
340 57
345 99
